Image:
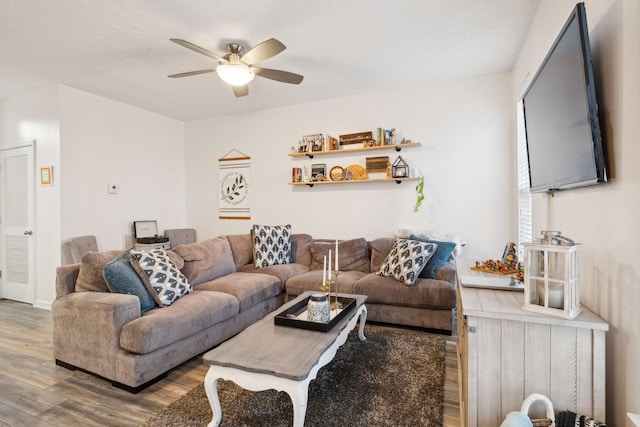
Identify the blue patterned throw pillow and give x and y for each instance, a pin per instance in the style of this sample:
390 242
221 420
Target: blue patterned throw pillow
439 258
121 278
406 260
271 244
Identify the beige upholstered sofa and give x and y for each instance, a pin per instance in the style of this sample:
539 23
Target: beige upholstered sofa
106 333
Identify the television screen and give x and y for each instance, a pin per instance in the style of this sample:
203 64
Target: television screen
564 142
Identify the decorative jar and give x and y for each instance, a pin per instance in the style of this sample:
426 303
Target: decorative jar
318 308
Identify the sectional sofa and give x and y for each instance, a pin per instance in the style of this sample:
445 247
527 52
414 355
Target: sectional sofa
133 343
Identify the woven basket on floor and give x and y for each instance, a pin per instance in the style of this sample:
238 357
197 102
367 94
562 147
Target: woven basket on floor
550 420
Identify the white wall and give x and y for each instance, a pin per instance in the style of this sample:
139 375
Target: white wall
466 133
107 142
605 219
91 142
35 116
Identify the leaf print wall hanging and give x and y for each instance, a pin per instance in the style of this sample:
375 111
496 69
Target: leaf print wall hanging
234 186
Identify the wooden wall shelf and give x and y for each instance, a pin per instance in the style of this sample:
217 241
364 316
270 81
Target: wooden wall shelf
396 147
355 181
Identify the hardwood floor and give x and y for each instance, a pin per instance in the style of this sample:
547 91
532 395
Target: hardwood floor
35 392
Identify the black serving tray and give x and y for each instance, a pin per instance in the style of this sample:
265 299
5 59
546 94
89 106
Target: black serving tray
348 304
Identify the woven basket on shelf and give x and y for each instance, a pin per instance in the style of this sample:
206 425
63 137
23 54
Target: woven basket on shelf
550 420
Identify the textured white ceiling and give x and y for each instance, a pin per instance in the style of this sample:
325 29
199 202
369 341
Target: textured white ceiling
120 49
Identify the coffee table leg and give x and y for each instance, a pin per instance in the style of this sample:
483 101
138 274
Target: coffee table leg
211 388
363 320
299 394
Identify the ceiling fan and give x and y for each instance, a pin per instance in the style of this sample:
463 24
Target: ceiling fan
237 69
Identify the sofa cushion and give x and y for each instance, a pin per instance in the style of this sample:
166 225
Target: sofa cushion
312 281
283 272
206 260
353 255
160 276
379 249
122 278
90 275
249 288
242 249
187 316
406 260
425 293
440 257
271 244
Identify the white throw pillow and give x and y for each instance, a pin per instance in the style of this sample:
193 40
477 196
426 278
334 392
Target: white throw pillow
160 276
271 245
406 260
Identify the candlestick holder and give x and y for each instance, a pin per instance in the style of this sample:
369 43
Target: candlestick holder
326 287
335 305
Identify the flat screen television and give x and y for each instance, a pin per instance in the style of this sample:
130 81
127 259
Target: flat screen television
565 147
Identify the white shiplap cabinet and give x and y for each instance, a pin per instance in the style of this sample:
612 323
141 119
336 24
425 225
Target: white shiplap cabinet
506 353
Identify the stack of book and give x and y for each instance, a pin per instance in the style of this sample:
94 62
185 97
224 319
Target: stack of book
296 175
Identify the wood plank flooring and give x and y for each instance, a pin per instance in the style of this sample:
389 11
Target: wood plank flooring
35 392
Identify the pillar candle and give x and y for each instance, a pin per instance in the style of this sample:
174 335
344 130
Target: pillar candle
324 271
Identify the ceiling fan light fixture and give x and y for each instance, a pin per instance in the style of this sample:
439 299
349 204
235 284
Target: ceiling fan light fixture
235 74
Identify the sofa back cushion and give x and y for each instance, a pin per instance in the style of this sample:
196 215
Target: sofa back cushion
90 276
242 249
353 255
301 248
206 260
380 248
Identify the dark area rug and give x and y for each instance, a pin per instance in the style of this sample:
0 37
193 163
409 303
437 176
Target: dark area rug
395 378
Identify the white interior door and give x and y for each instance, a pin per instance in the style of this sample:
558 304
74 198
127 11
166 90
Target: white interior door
16 224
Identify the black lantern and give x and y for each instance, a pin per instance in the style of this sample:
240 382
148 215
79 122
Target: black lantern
400 168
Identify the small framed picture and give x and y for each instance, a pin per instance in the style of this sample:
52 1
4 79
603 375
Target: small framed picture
313 142
318 171
46 175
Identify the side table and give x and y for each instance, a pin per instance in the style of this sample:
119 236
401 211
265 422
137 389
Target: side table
506 353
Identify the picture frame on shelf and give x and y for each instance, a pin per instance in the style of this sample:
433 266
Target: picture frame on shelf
312 142
318 171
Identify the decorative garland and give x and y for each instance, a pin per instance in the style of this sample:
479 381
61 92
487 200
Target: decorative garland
419 194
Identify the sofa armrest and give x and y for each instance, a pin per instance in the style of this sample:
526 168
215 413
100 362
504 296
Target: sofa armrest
447 272
86 328
66 276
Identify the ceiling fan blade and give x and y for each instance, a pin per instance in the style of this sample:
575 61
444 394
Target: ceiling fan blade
264 50
279 75
192 73
198 49
239 91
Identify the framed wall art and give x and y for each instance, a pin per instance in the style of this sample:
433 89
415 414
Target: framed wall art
46 175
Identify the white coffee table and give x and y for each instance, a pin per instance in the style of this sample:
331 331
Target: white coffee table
267 356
